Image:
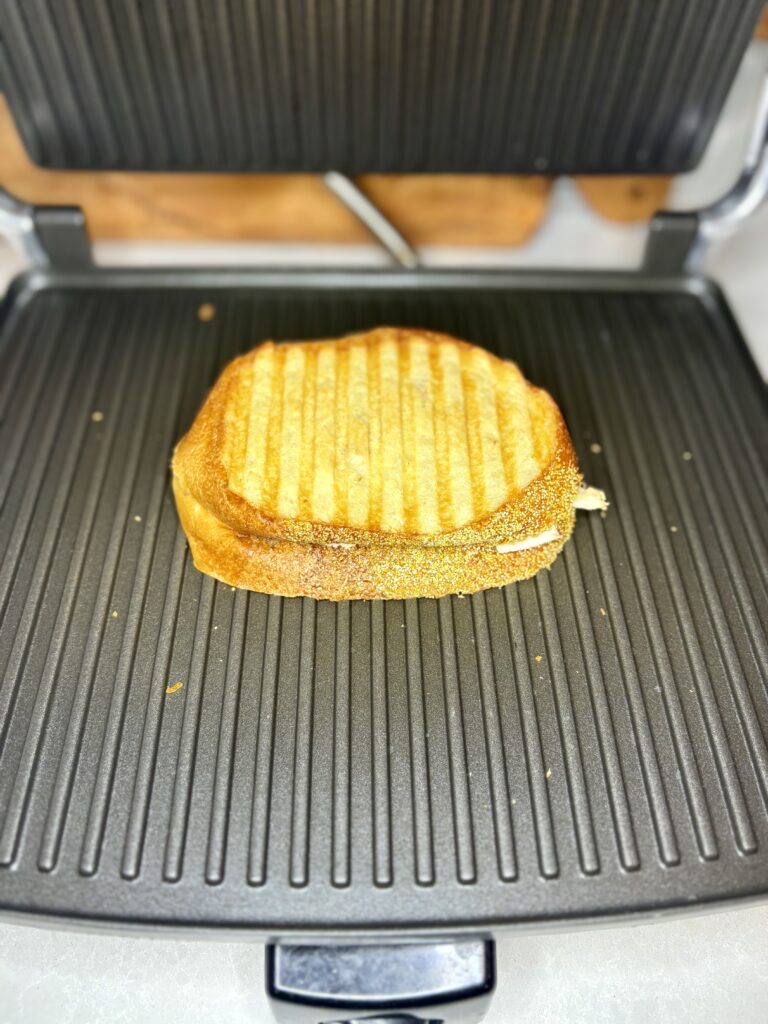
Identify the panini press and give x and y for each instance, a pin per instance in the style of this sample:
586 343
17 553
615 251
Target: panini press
377 789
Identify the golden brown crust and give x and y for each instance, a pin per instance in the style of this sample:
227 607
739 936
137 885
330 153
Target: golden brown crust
198 464
291 569
244 545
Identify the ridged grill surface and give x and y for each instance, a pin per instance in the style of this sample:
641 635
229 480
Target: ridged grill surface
371 85
590 741
406 433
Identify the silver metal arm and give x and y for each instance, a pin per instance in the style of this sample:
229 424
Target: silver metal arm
678 240
50 236
386 233
17 221
725 215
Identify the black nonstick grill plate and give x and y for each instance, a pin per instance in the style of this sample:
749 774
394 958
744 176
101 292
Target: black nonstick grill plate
588 743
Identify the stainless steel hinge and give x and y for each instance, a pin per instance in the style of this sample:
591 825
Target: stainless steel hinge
678 241
50 236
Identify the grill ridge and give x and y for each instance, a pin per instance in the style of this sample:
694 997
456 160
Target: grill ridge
14 821
690 774
102 790
548 860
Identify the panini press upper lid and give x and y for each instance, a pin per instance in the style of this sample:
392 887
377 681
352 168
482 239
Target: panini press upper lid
371 85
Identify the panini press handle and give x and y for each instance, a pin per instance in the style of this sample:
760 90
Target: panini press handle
387 983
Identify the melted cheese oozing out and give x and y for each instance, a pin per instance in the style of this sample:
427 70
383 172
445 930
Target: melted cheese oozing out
591 499
530 542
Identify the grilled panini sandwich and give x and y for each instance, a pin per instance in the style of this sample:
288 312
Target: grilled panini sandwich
391 464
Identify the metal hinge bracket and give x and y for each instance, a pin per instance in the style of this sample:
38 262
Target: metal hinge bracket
50 236
678 242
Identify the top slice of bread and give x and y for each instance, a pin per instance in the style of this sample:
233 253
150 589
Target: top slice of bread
391 437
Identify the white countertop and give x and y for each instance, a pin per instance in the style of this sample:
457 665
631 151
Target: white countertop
705 970
700 970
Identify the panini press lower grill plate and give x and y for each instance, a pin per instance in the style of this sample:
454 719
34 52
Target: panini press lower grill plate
586 743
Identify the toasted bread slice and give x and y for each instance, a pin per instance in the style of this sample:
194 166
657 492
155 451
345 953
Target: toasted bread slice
395 463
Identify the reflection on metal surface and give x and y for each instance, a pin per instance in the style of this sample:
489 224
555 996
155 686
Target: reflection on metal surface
17 221
373 219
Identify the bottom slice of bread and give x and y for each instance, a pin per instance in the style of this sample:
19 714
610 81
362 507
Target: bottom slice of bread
358 572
